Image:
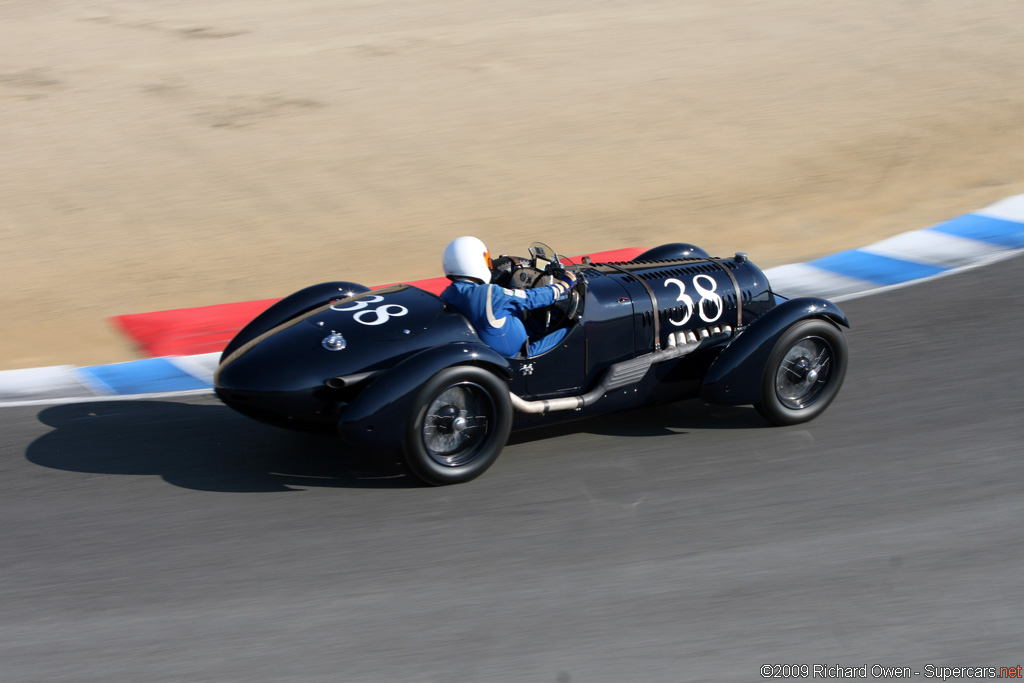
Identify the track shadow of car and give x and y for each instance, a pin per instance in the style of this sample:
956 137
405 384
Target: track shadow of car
670 419
204 447
208 447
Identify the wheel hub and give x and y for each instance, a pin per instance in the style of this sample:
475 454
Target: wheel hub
447 419
806 371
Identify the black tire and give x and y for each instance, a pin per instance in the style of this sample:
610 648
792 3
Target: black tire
460 422
803 373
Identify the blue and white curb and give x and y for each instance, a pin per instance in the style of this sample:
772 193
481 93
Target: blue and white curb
972 240
975 239
152 377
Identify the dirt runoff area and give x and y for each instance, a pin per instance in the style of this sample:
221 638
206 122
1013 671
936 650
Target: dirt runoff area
174 153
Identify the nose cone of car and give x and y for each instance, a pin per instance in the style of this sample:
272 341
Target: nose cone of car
290 373
279 381
291 360
334 341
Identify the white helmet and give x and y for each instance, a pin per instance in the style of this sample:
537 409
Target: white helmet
467 257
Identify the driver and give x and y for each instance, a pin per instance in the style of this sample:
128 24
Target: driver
495 312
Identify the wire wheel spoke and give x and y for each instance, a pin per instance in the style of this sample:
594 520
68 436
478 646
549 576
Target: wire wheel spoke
804 372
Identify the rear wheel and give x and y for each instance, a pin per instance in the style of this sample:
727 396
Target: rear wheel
803 373
461 422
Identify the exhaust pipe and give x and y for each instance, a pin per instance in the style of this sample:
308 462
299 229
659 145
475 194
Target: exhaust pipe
627 372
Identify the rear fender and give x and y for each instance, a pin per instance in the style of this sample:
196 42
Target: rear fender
377 416
735 376
292 305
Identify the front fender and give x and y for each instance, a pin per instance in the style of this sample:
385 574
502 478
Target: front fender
735 376
377 416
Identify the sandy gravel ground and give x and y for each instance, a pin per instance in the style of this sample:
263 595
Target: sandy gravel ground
171 153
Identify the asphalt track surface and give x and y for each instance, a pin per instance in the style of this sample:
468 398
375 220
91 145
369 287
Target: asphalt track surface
176 541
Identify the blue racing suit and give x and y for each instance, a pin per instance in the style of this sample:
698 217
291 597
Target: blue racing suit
497 314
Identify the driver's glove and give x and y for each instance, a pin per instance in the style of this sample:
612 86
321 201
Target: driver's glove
565 282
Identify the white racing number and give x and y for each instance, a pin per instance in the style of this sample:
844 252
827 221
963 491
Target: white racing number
381 314
684 297
709 299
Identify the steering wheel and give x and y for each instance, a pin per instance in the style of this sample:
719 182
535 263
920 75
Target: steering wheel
542 269
563 311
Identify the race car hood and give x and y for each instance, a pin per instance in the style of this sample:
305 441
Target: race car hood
366 332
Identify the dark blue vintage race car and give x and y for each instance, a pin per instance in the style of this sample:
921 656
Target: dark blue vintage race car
398 369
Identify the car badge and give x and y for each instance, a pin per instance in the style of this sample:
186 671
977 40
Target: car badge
334 342
527 369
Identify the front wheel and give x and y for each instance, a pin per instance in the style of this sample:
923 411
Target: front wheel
459 425
803 373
